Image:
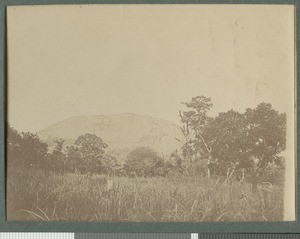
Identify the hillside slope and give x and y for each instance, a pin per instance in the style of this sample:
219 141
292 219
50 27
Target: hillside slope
122 132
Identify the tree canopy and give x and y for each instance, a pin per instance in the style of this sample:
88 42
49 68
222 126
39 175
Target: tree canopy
143 161
231 141
25 148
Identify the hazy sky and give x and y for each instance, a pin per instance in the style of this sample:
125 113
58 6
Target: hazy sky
145 59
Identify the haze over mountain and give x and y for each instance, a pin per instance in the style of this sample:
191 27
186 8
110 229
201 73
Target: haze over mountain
122 132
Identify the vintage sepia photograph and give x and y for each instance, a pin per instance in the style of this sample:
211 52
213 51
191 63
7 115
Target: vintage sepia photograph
150 113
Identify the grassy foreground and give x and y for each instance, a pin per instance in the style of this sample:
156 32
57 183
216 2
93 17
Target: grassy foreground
36 195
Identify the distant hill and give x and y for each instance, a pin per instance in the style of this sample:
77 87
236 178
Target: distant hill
122 132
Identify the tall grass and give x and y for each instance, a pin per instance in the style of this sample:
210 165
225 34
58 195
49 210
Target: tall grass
36 195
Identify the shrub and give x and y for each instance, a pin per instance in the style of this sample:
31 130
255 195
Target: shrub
145 162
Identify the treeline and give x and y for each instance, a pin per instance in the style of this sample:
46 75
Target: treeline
86 155
243 146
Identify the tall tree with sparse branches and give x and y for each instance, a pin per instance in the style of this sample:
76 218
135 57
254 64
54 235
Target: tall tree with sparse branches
194 121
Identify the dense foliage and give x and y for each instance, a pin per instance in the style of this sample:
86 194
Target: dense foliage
144 161
233 143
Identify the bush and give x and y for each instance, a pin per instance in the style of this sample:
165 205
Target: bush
144 162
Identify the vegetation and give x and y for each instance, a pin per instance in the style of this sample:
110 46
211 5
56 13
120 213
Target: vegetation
34 195
230 168
145 162
233 141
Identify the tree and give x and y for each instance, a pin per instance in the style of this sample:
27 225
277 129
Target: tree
91 149
58 157
108 165
75 161
195 120
266 139
143 161
25 149
33 150
251 141
229 133
13 147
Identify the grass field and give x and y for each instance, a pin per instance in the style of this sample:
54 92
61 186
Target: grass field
36 195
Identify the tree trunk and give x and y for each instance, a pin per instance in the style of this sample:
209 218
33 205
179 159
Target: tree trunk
208 164
243 175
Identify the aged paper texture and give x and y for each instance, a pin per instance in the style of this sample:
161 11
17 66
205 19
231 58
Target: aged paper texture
151 113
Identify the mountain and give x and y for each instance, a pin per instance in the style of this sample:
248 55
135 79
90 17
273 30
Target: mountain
122 132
